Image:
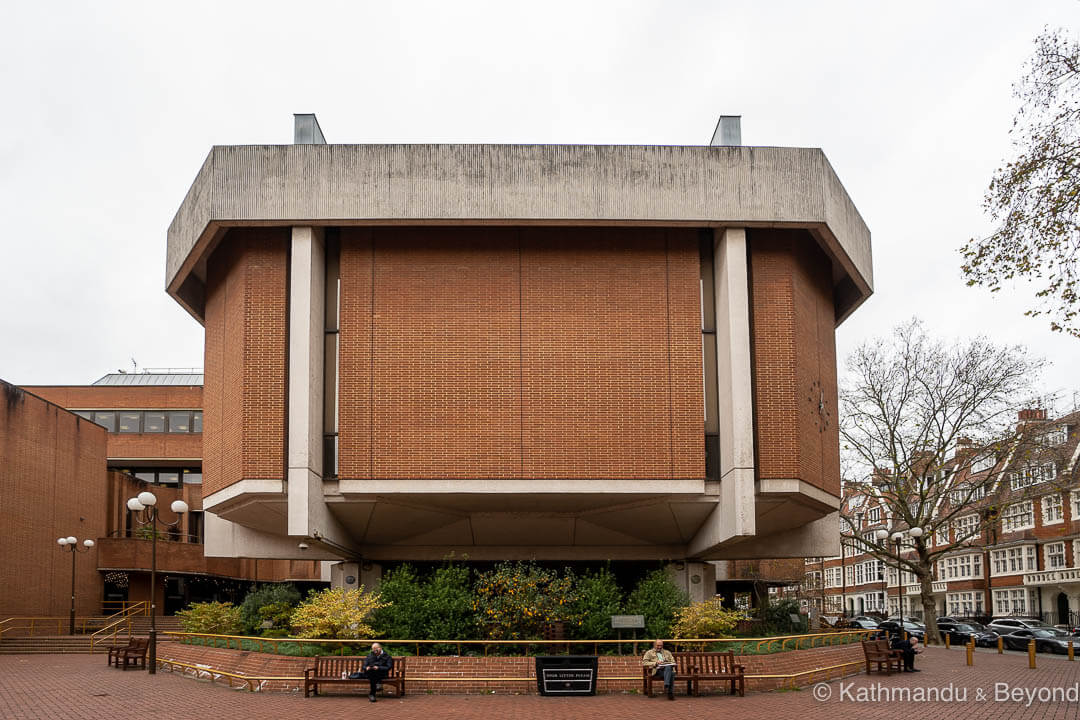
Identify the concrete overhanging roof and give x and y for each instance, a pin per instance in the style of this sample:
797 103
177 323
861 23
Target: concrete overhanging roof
601 185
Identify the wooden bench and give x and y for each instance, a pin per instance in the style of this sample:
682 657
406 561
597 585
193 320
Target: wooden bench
115 650
879 653
693 667
131 655
328 669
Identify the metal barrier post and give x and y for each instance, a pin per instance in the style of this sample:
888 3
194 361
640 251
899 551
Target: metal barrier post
1001 645
947 636
1071 643
1031 654
970 652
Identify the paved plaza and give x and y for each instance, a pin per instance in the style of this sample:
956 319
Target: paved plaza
72 687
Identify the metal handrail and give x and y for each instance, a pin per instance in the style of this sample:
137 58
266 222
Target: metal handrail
35 622
798 642
129 612
202 671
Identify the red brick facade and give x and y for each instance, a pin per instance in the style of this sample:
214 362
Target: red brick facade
794 359
506 352
52 481
245 373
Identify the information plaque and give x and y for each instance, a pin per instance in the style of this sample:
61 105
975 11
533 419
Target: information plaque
566 674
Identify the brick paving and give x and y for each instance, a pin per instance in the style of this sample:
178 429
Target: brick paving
73 687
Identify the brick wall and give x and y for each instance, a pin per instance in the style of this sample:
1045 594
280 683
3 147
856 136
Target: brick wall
437 674
244 383
507 352
52 484
794 358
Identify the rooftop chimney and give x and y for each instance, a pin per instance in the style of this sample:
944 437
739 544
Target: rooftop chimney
728 131
306 130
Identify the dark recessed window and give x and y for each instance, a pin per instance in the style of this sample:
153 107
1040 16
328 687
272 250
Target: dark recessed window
106 420
85 414
192 478
148 477
154 422
168 477
129 422
179 422
196 422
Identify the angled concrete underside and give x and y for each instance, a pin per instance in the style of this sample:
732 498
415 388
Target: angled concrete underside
517 184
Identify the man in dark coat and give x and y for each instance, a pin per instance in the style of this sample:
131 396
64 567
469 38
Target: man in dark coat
909 648
377 665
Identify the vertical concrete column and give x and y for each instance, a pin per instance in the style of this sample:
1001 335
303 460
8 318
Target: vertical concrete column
734 517
308 514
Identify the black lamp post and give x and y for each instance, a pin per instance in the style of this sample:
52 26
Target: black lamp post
147 514
71 544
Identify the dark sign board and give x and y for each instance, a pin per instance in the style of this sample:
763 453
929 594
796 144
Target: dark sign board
566 674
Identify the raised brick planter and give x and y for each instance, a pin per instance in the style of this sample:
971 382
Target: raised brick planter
447 675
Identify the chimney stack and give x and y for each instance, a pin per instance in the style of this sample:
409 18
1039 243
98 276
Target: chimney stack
306 130
728 131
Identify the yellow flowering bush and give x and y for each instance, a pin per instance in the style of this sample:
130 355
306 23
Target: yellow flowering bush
335 613
219 618
707 619
514 601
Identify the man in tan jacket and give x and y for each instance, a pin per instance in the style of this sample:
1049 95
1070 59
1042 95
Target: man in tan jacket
662 664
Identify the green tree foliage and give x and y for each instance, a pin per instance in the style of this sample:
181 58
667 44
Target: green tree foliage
1034 199
657 598
261 596
211 617
336 614
597 598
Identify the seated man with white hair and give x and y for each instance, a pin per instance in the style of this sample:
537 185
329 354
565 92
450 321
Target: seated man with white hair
377 665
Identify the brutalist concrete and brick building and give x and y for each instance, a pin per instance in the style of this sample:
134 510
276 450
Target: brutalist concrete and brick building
519 351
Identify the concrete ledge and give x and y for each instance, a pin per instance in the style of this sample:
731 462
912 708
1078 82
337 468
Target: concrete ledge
515 185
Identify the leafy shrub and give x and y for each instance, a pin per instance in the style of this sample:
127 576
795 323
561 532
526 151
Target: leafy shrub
776 617
335 614
707 619
448 602
211 617
597 598
404 615
657 598
516 600
263 595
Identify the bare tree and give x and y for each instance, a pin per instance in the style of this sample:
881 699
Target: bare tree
925 429
1035 198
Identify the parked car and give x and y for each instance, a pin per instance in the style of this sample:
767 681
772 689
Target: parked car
863 624
907 618
1046 640
960 633
895 628
1007 625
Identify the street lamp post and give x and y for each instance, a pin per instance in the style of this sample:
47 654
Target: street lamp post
881 535
71 544
897 538
147 514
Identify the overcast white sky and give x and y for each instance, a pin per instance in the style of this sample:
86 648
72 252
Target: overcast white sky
110 108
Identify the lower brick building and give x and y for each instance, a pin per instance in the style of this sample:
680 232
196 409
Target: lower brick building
70 457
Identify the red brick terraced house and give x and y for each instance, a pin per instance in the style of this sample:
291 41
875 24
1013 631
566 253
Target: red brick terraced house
1019 549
